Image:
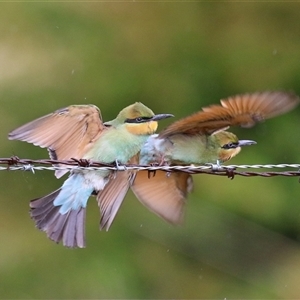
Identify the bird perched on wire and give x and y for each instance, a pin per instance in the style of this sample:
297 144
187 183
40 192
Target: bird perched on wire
202 137
199 139
78 132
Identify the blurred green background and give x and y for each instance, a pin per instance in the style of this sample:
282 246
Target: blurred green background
241 238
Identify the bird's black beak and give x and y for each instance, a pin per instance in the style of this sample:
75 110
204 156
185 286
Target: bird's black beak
161 117
243 143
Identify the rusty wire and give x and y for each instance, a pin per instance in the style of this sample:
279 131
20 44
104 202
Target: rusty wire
15 163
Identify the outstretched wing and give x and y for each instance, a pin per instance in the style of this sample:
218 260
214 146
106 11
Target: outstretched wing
163 193
242 110
67 133
111 197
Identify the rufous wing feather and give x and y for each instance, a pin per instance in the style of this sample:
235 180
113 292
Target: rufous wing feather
67 133
242 110
111 197
163 193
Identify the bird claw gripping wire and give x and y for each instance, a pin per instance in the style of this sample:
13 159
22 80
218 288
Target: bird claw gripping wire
119 166
217 167
152 172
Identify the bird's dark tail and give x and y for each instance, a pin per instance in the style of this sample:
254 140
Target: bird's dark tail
68 228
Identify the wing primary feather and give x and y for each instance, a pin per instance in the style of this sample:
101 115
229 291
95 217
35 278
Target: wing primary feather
241 110
68 132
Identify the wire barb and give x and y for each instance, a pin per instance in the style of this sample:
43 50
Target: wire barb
29 168
15 163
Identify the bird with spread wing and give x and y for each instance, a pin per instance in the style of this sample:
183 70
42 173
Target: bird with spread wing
199 139
78 132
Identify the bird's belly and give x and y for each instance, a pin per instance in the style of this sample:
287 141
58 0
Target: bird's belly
191 150
155 150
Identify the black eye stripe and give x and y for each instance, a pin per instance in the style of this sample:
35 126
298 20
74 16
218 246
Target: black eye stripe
230 146
138 120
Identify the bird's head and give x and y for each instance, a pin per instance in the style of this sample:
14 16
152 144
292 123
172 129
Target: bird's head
230 145
138 119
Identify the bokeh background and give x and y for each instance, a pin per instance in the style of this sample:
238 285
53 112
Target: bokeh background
241 236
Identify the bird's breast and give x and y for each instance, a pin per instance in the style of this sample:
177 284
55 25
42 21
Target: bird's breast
153 150
116 144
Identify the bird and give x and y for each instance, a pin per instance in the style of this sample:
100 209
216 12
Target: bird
201 138
78 132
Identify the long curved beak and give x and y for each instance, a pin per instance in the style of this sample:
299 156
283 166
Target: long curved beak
161 117
243 143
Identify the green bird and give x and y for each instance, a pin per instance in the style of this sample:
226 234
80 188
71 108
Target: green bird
78 132
201 138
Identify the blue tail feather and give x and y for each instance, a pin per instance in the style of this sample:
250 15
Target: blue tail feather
74 194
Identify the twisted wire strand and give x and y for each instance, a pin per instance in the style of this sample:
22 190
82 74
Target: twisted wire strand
15 163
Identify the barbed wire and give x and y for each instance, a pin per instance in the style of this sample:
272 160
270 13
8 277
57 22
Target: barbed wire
15 163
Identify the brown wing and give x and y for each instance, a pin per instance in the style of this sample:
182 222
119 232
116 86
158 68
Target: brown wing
164 193
112 196
241 110
67 133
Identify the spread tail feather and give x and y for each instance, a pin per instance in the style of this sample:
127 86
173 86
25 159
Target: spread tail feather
68 228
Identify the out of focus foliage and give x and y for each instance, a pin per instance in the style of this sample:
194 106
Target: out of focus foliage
241 237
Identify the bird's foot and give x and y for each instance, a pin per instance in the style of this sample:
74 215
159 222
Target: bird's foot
217 167
152 173
119 166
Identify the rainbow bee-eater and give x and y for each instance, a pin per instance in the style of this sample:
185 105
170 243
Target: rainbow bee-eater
201 138
78 132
